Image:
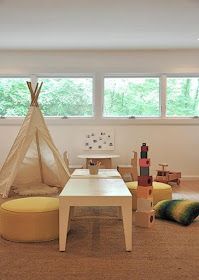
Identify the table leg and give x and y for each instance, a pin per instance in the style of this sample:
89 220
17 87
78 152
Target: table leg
64 212
119 213
71 216
127 223
107 163
87 162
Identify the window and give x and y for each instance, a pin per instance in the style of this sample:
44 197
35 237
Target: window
14 97
131 96
67 96
182 97
125 96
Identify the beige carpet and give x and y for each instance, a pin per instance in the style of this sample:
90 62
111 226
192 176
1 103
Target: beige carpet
96 250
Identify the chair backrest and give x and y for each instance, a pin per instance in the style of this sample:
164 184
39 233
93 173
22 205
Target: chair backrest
71 167
134 159
65 156
134 166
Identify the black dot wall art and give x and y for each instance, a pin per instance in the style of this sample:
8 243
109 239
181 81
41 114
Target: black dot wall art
99 140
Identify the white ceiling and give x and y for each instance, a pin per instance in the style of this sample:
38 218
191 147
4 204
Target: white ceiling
99 24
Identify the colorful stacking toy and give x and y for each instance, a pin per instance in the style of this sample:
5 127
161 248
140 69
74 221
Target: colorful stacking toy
145 215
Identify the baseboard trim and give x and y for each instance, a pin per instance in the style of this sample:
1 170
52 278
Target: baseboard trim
190 178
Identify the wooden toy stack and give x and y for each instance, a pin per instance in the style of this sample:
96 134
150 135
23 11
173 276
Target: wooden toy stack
145 215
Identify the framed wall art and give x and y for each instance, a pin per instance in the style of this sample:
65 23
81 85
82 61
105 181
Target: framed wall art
99 140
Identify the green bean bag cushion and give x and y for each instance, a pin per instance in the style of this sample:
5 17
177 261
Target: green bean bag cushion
181 211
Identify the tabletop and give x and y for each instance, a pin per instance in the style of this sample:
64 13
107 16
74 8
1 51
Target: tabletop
93 156
102 173
95 187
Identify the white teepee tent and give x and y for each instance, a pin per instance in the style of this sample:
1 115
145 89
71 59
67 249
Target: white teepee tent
33 157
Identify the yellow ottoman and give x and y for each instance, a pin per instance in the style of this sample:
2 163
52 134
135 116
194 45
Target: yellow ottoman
30 219
161 191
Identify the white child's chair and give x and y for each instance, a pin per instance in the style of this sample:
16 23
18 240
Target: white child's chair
70 166
129 169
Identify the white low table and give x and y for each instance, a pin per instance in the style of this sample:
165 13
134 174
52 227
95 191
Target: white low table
95 192
105 159
102 174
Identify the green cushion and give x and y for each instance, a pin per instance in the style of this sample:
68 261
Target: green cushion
181 211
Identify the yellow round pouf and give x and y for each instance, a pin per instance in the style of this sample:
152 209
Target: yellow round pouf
161 191
31 219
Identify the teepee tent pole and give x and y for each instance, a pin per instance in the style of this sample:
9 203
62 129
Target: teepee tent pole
31 90
39 156
37 94
36 88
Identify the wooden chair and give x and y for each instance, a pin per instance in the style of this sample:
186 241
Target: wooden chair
70 166
129 169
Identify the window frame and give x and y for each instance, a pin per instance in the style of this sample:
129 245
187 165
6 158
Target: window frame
54 119
132 76
98 99
14 119
189 75
68 76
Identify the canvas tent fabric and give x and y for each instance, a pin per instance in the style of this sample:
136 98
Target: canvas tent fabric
33 157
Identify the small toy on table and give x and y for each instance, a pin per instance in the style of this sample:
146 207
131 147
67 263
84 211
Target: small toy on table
165 176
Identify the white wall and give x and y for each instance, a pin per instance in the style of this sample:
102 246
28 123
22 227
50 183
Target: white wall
85 61
176 145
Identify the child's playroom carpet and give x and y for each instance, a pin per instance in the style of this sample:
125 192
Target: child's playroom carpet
96 250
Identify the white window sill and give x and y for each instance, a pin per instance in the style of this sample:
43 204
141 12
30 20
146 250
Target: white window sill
107 121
